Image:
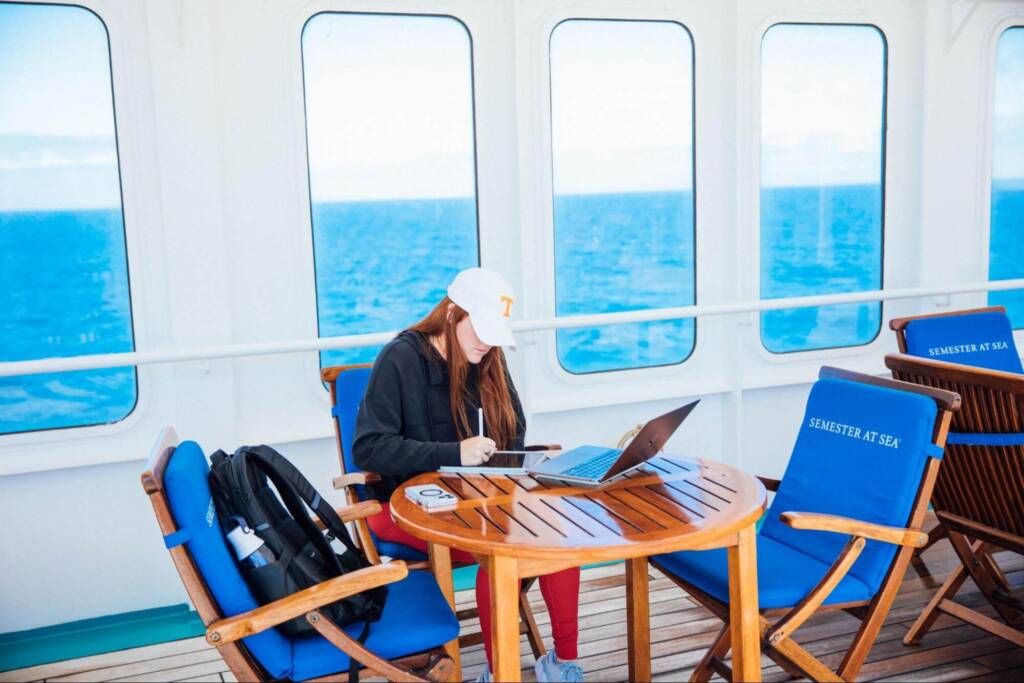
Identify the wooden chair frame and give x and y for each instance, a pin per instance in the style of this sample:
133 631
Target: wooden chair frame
899 326
777 642
347 483
225 633
978 498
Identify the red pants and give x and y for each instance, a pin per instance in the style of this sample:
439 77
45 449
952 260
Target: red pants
561 590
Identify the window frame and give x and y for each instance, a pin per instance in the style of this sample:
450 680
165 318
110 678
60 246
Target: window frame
883 180
998 32
137 398
550 199
306 143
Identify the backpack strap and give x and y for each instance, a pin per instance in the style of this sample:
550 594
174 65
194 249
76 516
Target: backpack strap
221 485
293 486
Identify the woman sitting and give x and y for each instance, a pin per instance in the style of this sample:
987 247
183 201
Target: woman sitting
415 418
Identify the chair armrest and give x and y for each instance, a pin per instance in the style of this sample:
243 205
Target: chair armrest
544 447
228 630
854 527
770 484
361 510
355 478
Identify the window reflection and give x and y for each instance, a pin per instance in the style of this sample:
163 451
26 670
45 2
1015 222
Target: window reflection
63 266
622 145
389 116
822 156
1006 248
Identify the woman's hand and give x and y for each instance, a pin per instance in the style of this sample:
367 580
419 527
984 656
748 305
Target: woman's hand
476 451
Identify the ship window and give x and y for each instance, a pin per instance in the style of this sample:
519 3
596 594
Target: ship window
622 149
822 181
392 168
1006 248
63 265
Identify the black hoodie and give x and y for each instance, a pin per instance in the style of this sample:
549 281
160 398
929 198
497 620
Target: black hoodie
405 424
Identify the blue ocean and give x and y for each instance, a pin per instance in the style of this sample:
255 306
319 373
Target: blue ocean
64 292
381 265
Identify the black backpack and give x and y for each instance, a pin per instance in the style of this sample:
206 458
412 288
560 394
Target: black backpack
242 495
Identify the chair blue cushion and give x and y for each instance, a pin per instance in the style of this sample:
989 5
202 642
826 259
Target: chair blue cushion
350 388
398 551
860 453
984 340
186 481
784 575
416 617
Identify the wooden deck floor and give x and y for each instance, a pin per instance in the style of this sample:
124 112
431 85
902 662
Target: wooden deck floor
679 634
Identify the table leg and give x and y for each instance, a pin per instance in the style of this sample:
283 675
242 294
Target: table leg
504 576
743 607
441 564
638 618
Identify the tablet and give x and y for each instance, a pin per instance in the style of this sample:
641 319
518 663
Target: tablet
502 462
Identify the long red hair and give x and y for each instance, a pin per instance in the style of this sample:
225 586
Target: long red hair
492 378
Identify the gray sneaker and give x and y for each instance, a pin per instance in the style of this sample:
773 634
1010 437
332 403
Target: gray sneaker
548 668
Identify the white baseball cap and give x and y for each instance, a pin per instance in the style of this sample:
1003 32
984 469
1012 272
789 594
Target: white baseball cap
488 299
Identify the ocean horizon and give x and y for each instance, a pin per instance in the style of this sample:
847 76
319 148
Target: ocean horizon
613 252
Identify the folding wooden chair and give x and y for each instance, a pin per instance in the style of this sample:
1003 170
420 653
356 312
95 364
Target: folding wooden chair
347 384
979 496
979 337
404 645
862 471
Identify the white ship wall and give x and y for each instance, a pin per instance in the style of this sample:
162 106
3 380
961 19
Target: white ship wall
211 132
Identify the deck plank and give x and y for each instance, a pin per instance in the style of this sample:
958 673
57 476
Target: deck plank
680 630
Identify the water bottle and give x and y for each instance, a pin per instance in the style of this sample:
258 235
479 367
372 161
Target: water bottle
250 548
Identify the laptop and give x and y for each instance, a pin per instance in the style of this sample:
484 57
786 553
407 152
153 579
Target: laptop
594 465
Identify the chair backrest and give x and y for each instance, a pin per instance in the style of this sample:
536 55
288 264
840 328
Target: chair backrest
861 452
982 337
982 476
176 480
348 386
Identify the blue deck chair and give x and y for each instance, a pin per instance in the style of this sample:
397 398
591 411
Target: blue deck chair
405 644
846 516
980 337
347 384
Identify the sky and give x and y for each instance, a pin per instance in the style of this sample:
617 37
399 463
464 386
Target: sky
389 106
621 106
56 111
821 105
1008 133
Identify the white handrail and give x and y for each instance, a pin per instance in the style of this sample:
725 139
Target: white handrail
113 360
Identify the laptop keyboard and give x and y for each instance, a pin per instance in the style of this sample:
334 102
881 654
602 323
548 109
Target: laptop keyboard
595 467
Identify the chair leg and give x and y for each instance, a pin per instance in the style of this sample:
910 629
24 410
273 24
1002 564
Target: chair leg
934 536
931 612
981 574
804 661
795 673
985 554
705 669
877 612
937 533
526 614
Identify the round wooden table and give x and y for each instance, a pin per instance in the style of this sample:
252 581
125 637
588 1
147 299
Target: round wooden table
519 527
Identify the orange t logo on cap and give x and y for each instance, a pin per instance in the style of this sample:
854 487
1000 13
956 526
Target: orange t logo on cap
508 306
